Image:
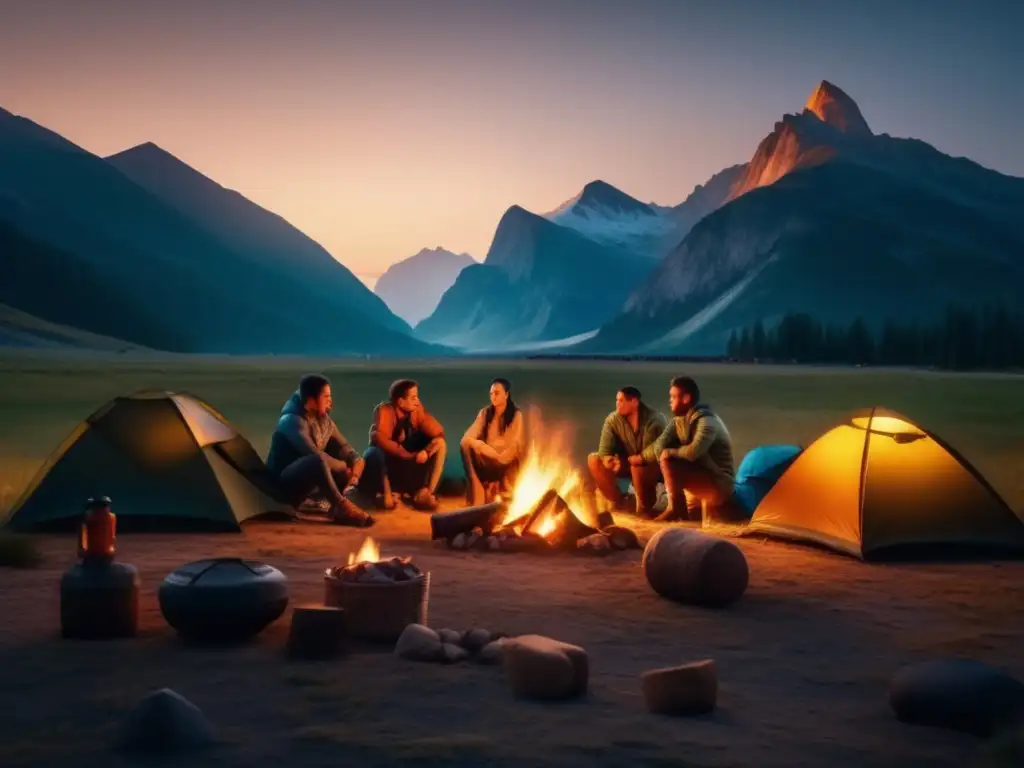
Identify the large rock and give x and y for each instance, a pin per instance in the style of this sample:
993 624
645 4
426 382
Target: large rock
542 668
690 689
691 567
419 643
166 723
959 694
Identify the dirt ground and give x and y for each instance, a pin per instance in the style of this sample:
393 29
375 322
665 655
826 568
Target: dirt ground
804 660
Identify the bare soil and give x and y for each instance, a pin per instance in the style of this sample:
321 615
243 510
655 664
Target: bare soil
804 660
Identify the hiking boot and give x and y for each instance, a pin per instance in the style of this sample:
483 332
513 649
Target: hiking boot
347 513
424 500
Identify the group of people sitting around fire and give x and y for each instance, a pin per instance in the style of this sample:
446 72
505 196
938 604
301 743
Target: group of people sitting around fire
690 453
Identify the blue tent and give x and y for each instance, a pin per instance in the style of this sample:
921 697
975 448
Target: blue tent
759 471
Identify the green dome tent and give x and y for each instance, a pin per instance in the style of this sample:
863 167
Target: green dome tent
168 460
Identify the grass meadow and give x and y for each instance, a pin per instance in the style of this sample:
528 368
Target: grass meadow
42 399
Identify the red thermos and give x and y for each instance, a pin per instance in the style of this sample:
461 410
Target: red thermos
97 537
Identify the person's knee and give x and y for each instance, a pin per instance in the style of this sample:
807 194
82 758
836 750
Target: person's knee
440 447
594 463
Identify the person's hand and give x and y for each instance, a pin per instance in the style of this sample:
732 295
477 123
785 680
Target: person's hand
609 462
636 460
422 457
666 455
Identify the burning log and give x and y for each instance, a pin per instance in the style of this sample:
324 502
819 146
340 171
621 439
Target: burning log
380 597
448 525
550 497
381 572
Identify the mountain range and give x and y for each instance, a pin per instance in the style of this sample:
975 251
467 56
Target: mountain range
831 220
827 218
412 288
141 247
540 282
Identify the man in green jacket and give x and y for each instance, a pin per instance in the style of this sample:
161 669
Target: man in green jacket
630 429
694 453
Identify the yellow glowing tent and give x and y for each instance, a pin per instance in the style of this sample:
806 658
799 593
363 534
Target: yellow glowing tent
168 460
880 482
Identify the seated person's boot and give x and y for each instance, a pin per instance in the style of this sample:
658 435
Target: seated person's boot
424 500
345 512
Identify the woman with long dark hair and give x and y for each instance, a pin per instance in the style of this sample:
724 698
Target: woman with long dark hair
493 445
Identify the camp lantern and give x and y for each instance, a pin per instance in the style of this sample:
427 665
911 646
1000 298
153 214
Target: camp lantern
98 534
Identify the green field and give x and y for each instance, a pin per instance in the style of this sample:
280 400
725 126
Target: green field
41 399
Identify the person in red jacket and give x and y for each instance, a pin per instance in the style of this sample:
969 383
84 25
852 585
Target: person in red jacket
407 449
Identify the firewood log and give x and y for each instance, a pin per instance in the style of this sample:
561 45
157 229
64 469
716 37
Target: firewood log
448 525
691 567
317 632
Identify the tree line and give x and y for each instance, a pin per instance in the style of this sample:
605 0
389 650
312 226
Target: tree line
966 338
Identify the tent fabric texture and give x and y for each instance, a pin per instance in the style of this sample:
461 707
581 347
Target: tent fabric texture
757 474
167 460
878 484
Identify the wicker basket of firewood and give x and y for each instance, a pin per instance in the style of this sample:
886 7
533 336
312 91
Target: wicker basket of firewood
380 599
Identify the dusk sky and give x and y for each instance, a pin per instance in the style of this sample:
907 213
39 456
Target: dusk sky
379 128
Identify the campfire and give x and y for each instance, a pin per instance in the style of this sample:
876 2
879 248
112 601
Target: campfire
367 567
548 508
380 597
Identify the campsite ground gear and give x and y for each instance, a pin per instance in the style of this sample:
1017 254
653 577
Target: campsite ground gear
99 601
878 483
378 613
171 461
223 600
760 469
98 534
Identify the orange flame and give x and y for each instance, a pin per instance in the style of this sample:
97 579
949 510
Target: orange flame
368 553
546 466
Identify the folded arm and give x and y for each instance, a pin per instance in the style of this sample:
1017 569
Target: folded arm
606 446
667 440
432 428
476 429
348 454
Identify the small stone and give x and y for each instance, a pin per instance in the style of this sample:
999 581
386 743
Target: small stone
473 540
418 643
542 668
459 542
450 636
490 653
475 639
690 689
165 722
493 543
451 653
621 538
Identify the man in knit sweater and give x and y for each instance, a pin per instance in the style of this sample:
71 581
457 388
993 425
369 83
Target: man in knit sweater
694 453
627 432
407 449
